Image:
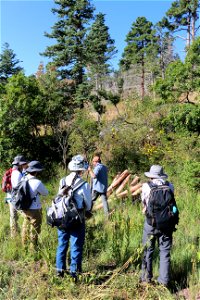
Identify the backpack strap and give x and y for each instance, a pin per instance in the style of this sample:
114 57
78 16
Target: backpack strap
78 184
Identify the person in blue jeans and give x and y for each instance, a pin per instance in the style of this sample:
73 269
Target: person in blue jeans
99 176
75 236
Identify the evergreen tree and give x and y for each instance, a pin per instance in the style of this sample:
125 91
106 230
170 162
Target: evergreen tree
100 49
165 48
8 63
141 47
182 16
69 53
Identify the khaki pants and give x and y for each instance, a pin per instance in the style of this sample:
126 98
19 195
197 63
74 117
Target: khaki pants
31 227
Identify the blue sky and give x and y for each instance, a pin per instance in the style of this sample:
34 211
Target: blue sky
23 24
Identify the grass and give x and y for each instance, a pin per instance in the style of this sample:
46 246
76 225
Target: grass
112 258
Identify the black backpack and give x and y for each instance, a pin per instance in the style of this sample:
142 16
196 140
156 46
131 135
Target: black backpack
21 197
162 211
63 213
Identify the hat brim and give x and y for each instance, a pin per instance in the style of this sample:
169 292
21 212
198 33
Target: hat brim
150 175
31 170
19 163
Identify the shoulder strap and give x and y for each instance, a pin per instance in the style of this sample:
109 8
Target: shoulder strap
78 184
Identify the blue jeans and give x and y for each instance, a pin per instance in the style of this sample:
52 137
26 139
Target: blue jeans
76 237
150 236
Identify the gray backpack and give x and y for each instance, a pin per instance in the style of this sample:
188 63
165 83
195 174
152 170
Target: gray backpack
63 213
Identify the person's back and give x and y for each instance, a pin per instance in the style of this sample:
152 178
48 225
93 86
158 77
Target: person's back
17 166
31 227
151 233
76 235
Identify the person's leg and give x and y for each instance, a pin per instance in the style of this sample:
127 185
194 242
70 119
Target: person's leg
105 203
95 195
61 253
14 228
165 244
76 246
35 217
148 241
25 229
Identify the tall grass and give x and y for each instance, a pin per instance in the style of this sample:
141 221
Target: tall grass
112 256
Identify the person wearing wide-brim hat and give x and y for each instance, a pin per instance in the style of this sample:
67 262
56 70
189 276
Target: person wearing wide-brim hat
18 165
31 227
157 177
75 235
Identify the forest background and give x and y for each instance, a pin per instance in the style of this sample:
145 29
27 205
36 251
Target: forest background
147 112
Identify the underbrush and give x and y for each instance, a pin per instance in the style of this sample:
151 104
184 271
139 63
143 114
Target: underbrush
112 257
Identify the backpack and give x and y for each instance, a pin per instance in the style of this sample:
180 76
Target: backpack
63 213
162 211
6 181
21 197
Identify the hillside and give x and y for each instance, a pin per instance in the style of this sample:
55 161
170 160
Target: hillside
144 133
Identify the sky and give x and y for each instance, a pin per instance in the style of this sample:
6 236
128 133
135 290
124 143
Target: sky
23 24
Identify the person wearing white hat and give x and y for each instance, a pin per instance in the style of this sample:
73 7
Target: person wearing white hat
157 177
31 227
76 235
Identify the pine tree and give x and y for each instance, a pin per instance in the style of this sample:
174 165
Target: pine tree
100 49
141 46
8 63
182 16
69 53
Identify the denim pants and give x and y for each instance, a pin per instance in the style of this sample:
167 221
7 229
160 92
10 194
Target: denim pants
76 237
150 236
104 200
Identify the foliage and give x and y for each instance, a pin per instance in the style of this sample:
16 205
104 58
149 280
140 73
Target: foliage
8 63
184 117
141 47
100 49
191 174
84 134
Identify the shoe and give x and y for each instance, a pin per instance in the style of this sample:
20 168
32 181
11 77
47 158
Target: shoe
60 274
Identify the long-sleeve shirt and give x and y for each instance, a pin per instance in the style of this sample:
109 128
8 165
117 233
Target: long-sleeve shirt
37 188
82 195
100 181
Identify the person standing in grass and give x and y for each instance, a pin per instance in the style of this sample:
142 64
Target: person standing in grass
31 227
18 165
74 234
99 175
151 233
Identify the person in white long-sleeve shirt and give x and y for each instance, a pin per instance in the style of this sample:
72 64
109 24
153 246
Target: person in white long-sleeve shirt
31 227
19 164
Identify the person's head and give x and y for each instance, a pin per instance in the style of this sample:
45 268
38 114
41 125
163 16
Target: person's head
34 167
96 159
78 164
156 172
20 162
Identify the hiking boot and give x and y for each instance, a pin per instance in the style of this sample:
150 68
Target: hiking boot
60 274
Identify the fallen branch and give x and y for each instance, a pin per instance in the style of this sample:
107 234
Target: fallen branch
116 182
124 182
